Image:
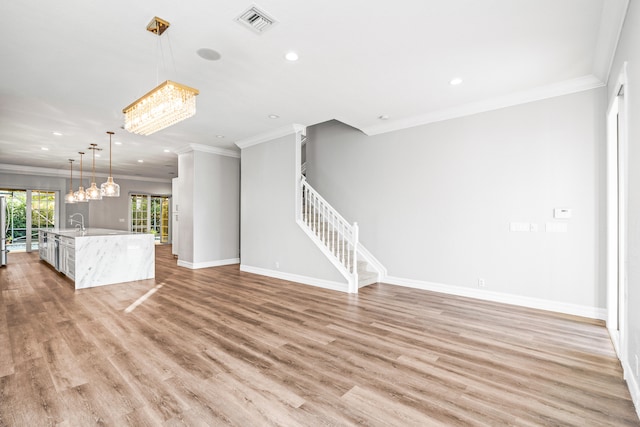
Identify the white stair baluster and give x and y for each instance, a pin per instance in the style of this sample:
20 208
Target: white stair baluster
337 236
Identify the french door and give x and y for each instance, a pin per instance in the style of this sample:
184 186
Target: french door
28 212
150 214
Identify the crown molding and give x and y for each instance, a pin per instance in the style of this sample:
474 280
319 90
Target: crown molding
550 91
32 170
207 149
270 135
64 173
611 23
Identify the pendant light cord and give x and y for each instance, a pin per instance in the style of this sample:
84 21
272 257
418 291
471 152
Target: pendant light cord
110 146
93 167
81 154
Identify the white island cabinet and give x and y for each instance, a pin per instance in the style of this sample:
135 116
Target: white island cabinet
97 256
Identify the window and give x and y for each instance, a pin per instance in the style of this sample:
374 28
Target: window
28 212
150 214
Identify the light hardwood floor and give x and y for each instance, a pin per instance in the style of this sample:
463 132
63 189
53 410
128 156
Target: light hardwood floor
218 346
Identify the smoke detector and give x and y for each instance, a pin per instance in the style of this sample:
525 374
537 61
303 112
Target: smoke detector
255 19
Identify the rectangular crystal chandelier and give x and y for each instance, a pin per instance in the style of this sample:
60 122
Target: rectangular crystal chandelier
166 105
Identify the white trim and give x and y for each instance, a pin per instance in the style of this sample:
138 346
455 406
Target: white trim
611 22
305 280
541 304
617 221
549 91
64 173
632 384
32 170
216 263
270 135
207 149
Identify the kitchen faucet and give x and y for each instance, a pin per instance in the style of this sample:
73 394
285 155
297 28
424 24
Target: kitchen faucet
76 222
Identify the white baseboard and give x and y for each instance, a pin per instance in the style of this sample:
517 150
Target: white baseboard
542 304
632 383
321 283
216 263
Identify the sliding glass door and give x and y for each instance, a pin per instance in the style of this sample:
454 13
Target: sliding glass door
28 212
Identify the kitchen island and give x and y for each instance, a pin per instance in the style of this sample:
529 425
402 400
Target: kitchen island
98 256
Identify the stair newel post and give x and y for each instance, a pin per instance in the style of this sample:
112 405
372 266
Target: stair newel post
355 257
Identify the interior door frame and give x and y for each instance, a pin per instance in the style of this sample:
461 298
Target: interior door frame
617 216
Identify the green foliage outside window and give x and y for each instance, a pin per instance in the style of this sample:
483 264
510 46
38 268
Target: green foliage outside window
43 206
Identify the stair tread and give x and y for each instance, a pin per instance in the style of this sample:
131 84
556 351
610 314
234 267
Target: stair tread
366 274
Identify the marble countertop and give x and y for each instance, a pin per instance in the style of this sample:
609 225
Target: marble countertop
89 232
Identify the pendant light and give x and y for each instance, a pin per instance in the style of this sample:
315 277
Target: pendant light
70 197
93 192
165 105
110 188
81 195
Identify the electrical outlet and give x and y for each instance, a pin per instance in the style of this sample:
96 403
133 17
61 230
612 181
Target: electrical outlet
277 264
637 373
481 283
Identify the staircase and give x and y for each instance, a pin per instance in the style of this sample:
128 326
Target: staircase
336 238
366 275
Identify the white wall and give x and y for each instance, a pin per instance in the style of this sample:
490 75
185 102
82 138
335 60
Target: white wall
209 221
628 50
434 202
186 206
272 242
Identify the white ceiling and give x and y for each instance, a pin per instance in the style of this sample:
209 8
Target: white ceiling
71 66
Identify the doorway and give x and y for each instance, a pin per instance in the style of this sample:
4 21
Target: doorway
616 218
29 211
150 214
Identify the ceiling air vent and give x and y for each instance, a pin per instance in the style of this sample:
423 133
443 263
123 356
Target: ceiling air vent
256 19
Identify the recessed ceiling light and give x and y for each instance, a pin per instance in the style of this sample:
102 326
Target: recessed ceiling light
57 133
219 136
44 148
118 143
274 116
291 56
456 81
383 117
167 151
97 155
141 161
